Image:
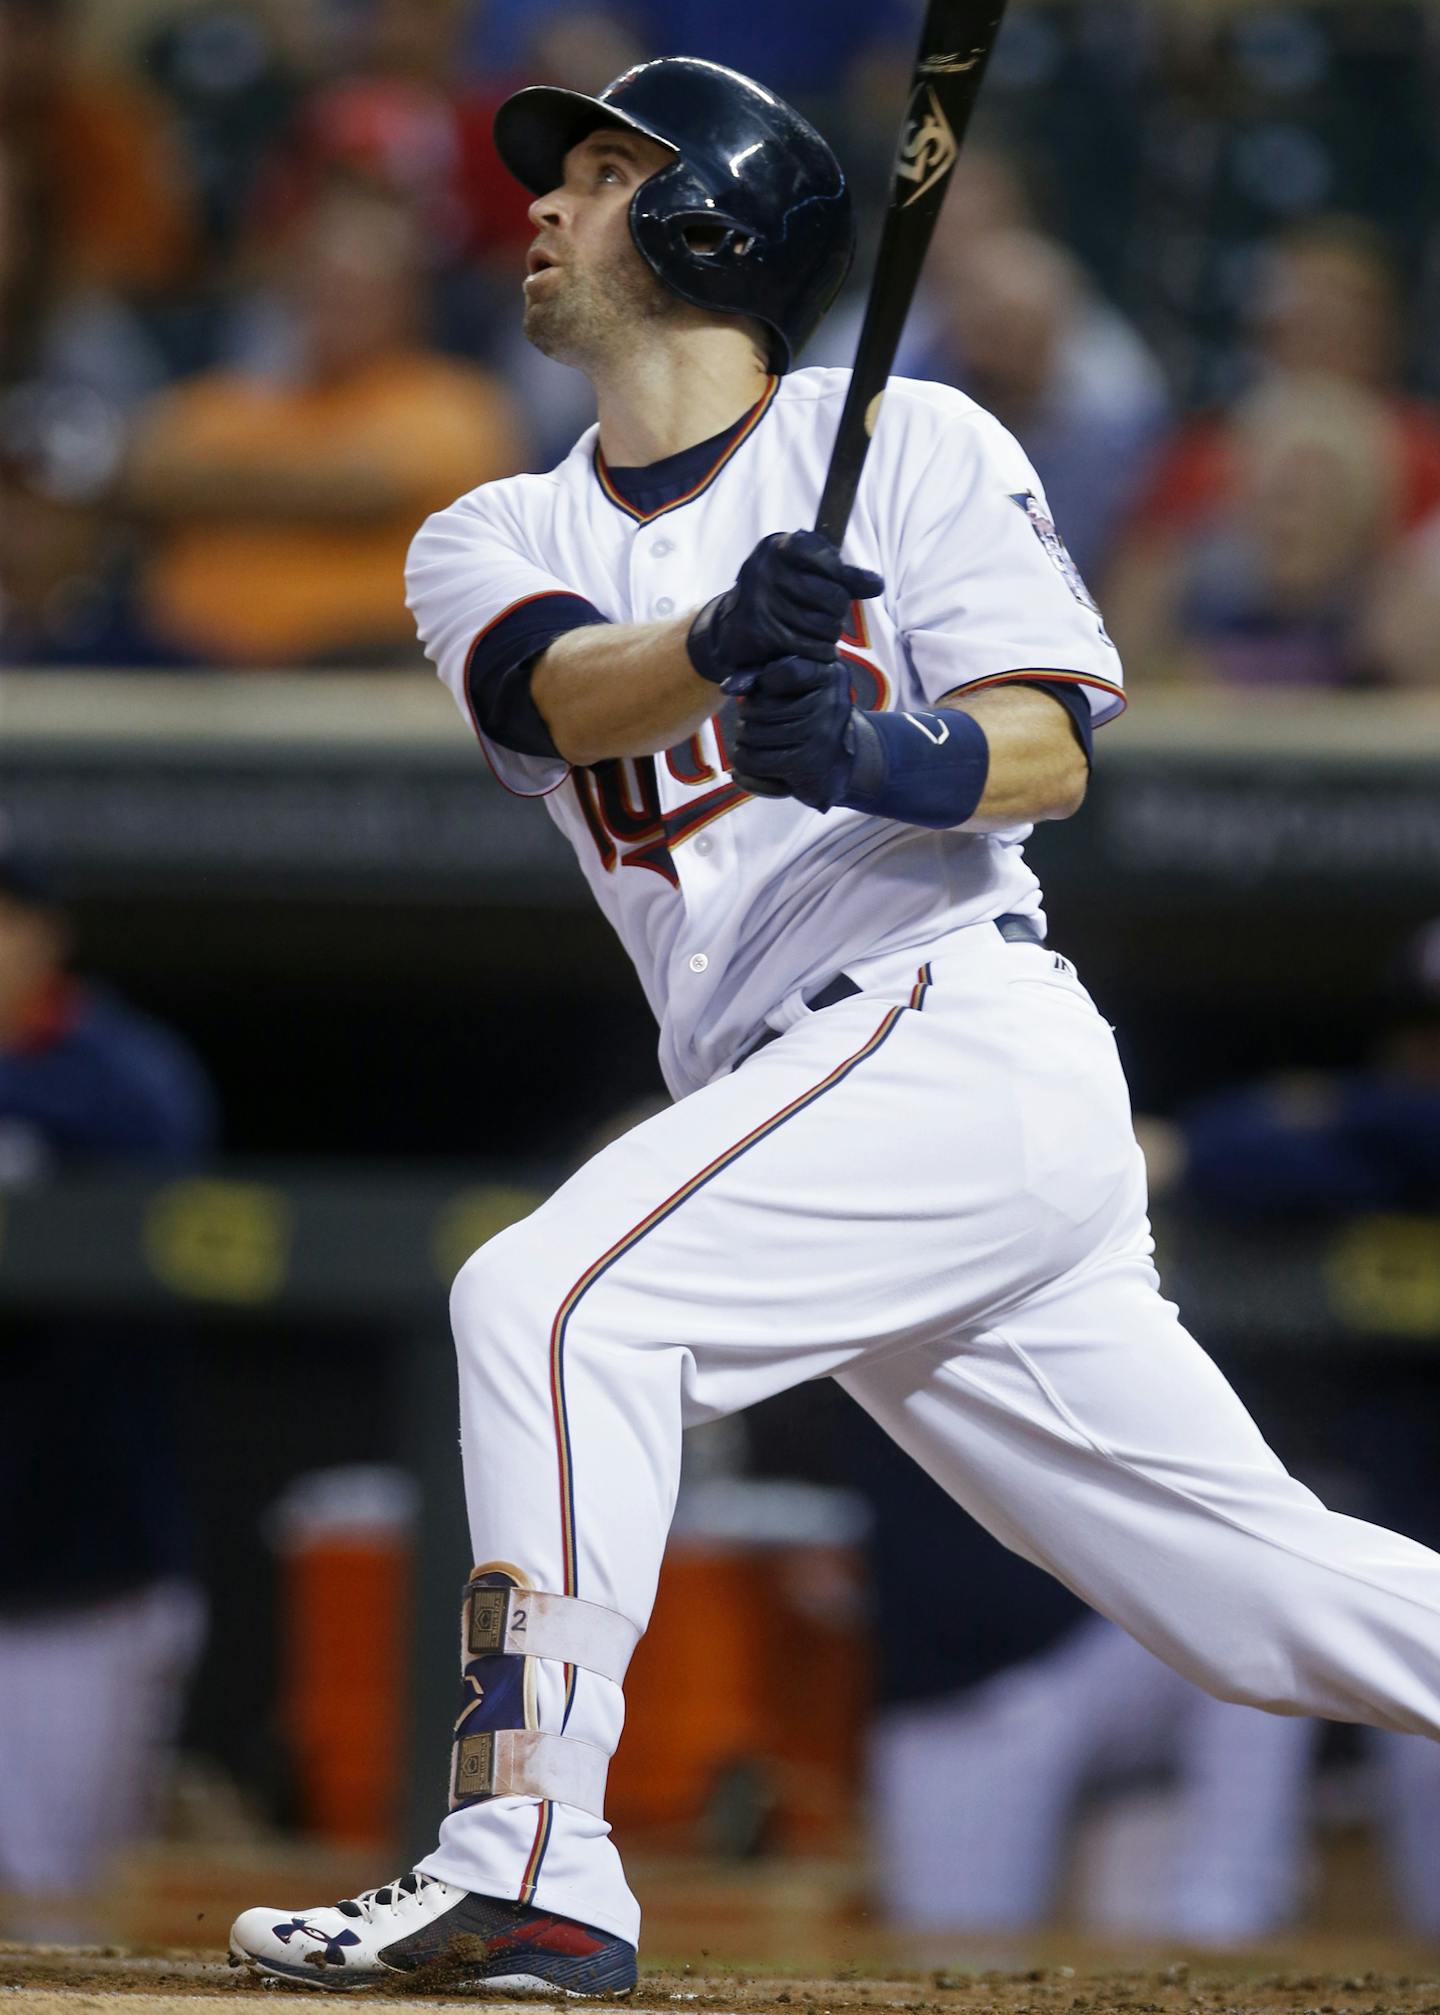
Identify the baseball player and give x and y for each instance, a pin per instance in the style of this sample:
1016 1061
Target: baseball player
900 1152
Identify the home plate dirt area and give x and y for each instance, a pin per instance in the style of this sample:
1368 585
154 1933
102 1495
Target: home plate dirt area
51 1980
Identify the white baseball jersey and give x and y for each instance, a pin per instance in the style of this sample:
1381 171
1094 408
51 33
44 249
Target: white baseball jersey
733 907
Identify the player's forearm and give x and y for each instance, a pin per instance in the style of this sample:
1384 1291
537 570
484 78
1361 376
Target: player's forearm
985 761
621 689
1037 767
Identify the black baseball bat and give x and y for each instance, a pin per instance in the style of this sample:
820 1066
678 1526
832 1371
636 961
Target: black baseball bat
955 45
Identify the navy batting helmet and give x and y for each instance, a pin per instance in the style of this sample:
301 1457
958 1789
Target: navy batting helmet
753 217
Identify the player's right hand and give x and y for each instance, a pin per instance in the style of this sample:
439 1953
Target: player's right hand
790 601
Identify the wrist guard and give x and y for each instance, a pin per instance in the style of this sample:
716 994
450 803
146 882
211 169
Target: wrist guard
924 769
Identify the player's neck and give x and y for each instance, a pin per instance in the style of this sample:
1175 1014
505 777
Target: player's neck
674 395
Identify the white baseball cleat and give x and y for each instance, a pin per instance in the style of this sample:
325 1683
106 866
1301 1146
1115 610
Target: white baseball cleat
419 1921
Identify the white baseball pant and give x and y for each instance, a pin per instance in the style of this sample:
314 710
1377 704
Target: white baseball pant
932 1192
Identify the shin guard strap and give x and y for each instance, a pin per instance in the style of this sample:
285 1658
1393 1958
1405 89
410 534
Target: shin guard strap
528 1763
525 1622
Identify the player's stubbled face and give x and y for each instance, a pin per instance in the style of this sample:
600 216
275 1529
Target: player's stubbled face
587 290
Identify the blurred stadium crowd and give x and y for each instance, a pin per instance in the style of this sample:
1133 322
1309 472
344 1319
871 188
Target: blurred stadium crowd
259 262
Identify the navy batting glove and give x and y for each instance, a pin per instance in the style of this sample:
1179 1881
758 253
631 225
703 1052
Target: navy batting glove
790 600
795 738
800 737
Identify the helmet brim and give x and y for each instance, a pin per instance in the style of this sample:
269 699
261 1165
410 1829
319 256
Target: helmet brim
536 128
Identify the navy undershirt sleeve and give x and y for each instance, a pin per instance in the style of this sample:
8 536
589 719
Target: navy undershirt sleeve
1072 698
497 678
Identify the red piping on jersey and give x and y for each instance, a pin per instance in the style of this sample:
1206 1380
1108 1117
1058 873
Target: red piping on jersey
537 1853
623 1245
601 1266
756 415
561 1323
540 595
1043 679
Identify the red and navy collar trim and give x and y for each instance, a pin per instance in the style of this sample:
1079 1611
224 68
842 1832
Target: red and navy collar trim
693 469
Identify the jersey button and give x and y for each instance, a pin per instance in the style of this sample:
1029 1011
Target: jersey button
703 844
664 606
698 962
661 547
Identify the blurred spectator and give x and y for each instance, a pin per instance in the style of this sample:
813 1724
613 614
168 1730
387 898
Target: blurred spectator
235 72
1279 583
1327 1144
803 50
1324 1148
1008 1706
1328 309
1403 632
987 194
1009 316
82 1077
58 332
96 156
281 507
977 1796
65 575
74 361
100 1618
404 116
584 48
1329 300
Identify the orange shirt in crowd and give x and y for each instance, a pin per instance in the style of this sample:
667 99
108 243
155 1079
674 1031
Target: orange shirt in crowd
279 591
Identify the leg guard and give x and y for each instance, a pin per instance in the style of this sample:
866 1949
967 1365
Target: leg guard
499 1751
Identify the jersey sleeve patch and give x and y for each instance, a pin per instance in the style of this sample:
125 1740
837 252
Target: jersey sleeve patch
1046 531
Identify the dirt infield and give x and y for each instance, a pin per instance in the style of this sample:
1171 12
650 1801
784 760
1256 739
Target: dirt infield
40 1980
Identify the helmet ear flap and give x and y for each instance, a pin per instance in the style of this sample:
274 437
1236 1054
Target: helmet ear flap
711 238
692 245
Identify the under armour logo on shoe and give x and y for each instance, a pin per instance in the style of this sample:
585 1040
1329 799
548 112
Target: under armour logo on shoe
333 1954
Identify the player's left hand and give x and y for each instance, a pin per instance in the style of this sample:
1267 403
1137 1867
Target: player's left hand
795 738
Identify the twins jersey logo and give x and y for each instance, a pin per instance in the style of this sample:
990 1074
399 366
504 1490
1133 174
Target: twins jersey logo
619 798
928 149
